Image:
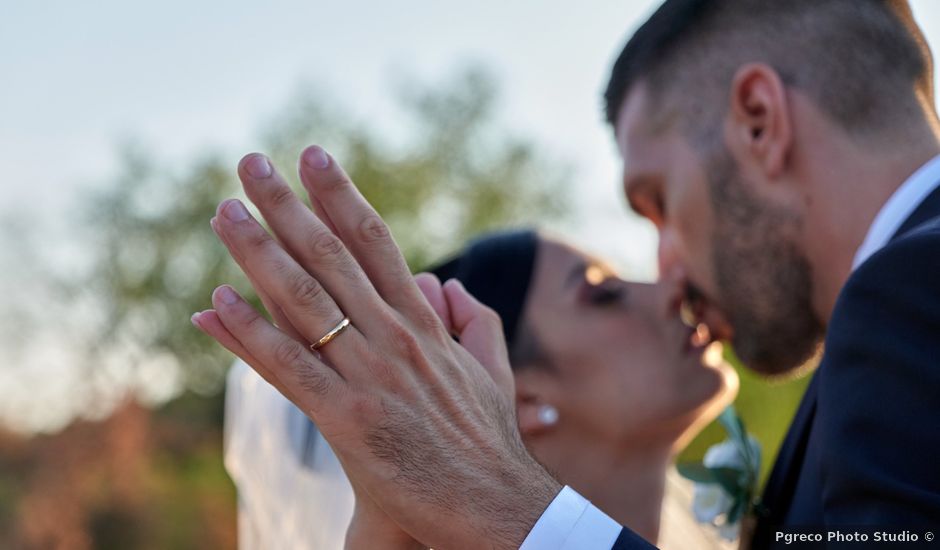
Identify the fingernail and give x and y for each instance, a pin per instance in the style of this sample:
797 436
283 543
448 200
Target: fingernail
258 166
235 211
548 415
227 295
316 157
214 225
195 319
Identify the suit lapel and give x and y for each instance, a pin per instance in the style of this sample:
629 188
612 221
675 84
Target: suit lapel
779 490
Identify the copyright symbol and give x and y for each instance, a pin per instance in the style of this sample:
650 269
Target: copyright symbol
928 536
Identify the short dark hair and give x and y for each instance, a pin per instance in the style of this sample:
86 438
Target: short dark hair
861 61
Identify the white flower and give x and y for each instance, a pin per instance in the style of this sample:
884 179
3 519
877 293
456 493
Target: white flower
726 454
725 480
729 531
709 502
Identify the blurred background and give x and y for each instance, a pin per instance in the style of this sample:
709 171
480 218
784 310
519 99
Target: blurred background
120 128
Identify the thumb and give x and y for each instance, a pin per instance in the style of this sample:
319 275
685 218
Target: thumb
480 331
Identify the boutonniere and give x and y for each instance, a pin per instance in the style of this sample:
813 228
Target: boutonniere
726 479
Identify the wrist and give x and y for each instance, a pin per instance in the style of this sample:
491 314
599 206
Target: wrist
368 532
521 502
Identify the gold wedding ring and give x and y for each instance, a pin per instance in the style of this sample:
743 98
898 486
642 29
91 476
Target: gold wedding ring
333 333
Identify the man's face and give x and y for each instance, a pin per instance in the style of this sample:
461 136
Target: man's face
736 252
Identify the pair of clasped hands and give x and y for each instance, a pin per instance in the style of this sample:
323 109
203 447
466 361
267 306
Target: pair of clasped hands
422 423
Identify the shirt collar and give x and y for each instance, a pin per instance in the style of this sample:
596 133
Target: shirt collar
898 208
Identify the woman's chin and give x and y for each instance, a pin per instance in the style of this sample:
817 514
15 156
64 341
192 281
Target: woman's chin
716 389
725 389
709 378
730 385
724 383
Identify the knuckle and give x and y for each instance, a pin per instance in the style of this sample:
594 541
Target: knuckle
289 353
427 320
306 290
253 320
326 244
280 196
381 369
373 229
492 317
314 382
334 182
405 340
258 238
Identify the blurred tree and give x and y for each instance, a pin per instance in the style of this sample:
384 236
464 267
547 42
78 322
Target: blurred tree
157 260
142 479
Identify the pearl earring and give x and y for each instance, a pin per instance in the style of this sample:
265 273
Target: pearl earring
548 415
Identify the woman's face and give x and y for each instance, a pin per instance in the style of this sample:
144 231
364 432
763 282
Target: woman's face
619 365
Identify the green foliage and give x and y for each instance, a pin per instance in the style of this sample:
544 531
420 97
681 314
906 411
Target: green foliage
158 261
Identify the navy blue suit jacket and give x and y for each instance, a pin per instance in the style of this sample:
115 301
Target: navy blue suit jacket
864 446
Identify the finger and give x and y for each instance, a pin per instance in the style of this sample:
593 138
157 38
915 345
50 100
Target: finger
322 213
315 247
285 359
280 318
480 331
304 301
430 287
360 227
209 323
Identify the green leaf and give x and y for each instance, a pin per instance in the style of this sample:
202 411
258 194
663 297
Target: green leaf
737 432
737 510
730 479
732 424
696 471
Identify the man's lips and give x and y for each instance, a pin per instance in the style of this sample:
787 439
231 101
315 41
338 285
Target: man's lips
695 311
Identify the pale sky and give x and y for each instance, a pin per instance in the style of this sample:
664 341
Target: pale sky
183 77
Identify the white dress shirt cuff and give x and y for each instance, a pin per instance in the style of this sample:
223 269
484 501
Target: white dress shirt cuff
572 523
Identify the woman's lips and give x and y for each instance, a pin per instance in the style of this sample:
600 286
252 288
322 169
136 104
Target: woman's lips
695 339
717 324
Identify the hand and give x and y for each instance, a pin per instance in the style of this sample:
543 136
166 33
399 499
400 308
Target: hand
416 418
370 527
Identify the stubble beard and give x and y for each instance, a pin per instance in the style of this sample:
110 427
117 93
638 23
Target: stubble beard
764 281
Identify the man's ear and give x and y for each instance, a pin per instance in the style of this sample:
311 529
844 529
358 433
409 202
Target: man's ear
758 130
